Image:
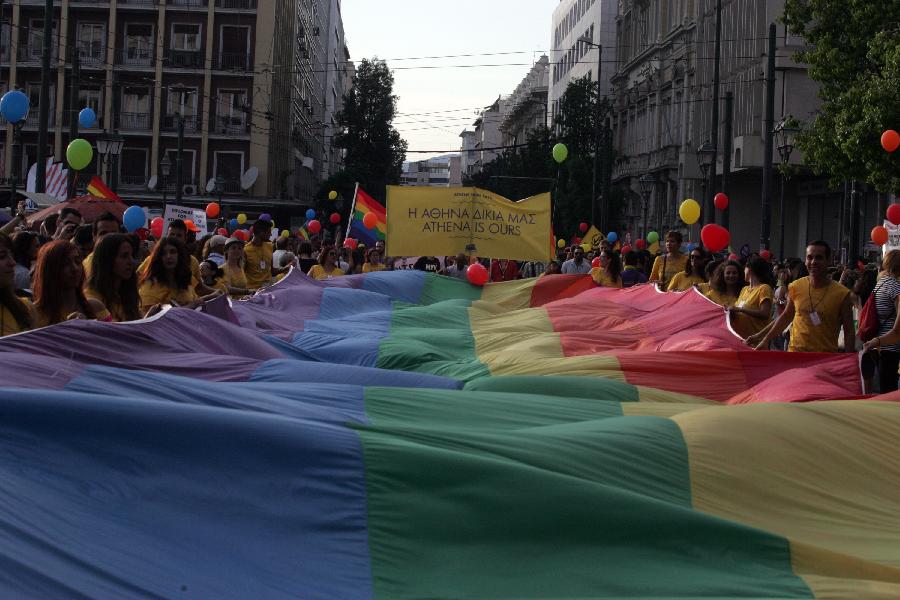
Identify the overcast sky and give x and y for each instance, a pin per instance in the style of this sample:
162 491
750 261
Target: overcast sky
403 29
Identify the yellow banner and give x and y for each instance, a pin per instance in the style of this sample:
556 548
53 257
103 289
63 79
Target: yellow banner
593 237
447 221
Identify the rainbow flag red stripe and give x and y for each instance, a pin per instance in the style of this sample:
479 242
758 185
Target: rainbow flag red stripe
363 205
98 189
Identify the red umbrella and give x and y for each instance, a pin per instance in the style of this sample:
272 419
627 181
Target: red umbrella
90 208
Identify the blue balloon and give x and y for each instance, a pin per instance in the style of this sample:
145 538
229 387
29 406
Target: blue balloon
310 214
14 106
233 223
134 218
87 118
612 237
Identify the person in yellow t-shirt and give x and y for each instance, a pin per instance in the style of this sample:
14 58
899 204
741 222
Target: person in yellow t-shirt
113 280
258 255
327 267
103 225
168 279
373 261
817 308
673 261
609 273
213 276
16 314
235 279
178 230
753 309
694 272
725 285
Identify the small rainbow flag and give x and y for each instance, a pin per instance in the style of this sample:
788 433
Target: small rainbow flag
98 189
364 204
303 234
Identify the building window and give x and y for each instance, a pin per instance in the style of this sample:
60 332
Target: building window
188 175
91 39
139 44
90 98
133 168
135 111
229 166
234 47
231 114
186 37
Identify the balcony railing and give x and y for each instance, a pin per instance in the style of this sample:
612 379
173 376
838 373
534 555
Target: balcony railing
91 55
231 186
233 61
33 118
142 121
186 3
185 59
236 4
133 182
191 123
31 53
141 3
135 57
230 126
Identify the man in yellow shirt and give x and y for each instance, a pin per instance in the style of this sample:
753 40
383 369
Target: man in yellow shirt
817 308
106 223
673 261
258 256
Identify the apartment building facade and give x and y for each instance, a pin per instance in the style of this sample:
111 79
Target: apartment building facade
527 105
241 75
438 171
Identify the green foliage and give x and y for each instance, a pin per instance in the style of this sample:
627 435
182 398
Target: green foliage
374 149
572 190
854 54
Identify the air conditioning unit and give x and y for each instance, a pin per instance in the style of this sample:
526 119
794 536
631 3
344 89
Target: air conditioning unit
189 190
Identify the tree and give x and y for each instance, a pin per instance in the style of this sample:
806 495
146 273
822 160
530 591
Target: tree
374 149
854 54
574 178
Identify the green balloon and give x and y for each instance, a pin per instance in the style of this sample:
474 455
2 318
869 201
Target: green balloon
560 153
79 154
652 237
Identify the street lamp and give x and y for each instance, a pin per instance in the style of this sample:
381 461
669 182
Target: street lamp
785 133
706 154
220 187
603 209
647 182
109 147
165 167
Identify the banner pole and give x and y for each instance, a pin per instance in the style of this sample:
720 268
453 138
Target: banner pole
352 208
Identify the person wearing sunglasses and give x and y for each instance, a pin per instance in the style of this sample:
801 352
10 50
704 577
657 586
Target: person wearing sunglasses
328 266
694 272
817 308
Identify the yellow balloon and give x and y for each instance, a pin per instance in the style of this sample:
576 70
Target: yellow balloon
332 195
285 233
560 243
241 218
689 211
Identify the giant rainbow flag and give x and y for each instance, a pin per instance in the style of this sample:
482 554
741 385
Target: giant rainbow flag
364 204
406 435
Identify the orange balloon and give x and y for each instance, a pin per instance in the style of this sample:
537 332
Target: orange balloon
890 140
213 209
370 220
880 235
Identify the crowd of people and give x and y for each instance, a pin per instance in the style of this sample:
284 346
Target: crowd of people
69 270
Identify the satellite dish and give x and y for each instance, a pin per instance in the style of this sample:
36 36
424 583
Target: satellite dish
151 185
249 178
211 185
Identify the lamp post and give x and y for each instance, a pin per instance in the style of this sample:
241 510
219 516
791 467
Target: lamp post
165 167
648 183
109 147
785 132
706 154
603 209
220 187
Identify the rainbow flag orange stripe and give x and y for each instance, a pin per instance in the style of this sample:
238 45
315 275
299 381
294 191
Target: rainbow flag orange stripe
98 189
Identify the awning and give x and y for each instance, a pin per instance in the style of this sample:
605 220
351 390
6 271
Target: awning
41 199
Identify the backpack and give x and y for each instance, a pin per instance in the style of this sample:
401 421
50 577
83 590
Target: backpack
869 323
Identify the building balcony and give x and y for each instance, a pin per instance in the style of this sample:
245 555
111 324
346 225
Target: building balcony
224 125
142 121
30 54
133 182
146 4
191 123
134 57
186 4
231 186
236 4
185 59
91 57
231 61
31 121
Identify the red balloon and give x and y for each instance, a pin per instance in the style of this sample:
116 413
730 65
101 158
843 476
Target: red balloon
213 209
596 262
477 274
893 214
241 234
350 243
721 201
734 256
222 231
766 255
142 233
626 249
577 241
370 221
156 227
335 218
314 226
583 228
879 235
715 237
890 141
640 243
